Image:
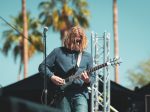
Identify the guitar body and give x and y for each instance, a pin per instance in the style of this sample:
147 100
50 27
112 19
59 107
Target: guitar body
58 93
56 97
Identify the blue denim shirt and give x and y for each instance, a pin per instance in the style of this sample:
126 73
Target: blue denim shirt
61 60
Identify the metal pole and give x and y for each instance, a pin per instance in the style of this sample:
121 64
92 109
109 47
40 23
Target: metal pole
45 77
106 73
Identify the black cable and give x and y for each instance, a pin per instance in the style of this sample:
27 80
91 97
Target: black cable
15 29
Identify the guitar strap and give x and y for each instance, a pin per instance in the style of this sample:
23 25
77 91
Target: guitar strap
79 59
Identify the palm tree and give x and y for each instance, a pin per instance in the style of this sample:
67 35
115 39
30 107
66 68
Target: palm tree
62 14
140 76
116 46
13 41
25 41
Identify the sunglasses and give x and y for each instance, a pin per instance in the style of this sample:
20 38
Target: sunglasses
77 40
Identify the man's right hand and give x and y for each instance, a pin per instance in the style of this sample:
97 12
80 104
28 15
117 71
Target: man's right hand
57 80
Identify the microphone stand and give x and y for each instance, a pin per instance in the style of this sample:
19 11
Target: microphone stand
45 77
44 40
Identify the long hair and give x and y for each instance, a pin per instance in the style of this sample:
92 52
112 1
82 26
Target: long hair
70 38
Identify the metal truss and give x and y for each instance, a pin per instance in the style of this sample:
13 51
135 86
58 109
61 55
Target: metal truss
100 50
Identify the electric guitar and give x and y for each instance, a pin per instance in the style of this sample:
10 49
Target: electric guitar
59 93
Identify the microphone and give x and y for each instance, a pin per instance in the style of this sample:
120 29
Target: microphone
45 30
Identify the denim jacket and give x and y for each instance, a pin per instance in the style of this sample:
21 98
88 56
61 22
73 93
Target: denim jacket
61 60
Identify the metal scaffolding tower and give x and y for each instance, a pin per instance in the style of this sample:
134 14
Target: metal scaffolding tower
100 50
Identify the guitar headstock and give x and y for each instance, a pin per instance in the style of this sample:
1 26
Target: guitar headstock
115 61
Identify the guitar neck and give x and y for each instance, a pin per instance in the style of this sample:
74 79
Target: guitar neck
97 67
72 77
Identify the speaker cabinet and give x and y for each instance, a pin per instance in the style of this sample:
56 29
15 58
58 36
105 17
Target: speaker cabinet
147 103
13 104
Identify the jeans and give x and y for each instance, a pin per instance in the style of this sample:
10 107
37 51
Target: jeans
76 103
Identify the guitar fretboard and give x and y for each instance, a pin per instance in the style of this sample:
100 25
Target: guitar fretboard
72 77
97 67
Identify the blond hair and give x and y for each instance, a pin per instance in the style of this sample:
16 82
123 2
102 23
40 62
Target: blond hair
70 37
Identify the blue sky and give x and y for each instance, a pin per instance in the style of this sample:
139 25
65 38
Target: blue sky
133 28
